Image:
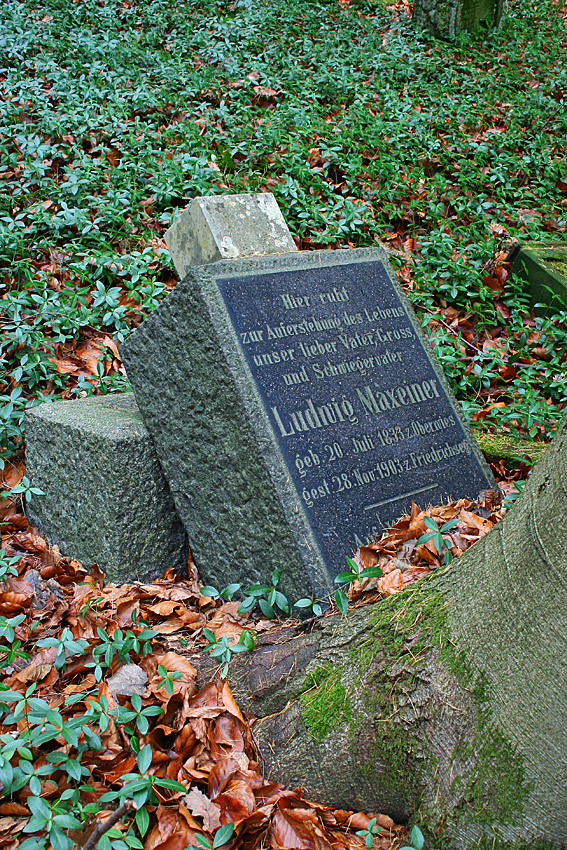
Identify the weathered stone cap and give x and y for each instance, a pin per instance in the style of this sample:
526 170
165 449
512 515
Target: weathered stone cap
106 500
226 227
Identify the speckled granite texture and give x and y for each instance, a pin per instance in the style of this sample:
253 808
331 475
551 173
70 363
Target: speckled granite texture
107 501
234 482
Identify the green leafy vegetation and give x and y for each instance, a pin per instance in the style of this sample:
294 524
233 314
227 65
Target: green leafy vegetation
272 601
116 114
369 833
223 648
35 723
435 535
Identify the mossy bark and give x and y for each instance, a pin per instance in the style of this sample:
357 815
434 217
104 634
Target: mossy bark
445 704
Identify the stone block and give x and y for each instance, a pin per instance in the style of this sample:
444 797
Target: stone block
107 501
445 18
225 227
302 412
543 268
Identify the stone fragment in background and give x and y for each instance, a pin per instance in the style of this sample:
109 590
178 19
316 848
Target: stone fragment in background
446 18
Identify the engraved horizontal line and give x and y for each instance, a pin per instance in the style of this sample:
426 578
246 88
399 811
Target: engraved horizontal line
403 496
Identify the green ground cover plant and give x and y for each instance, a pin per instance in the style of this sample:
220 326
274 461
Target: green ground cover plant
115 114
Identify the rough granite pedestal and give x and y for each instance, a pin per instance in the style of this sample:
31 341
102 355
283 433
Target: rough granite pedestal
106 500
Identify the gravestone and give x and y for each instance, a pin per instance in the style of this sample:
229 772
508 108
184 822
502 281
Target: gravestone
446 18
297 410
543 268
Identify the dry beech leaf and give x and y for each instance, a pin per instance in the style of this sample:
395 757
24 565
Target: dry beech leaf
237 802
413 574
391 583
200 806
170 832
368 557
39 667
230 703
220 775
14 809
12 475
164 609
297 829
168 627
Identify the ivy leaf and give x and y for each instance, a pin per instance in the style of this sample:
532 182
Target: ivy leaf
142 821
247 605
223 835
247 639
371 572
417 838
351 564
343 578
303 603
267 609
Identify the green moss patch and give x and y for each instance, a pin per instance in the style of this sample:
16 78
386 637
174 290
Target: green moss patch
324 701
512 452
498 786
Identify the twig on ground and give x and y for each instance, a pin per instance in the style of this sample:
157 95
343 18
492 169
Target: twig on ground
104 826
456 333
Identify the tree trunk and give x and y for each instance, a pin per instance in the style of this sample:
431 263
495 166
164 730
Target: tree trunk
444 705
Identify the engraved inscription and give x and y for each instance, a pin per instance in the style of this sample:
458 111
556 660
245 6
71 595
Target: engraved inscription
361 417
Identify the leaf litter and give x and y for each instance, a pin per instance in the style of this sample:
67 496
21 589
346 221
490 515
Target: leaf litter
199 738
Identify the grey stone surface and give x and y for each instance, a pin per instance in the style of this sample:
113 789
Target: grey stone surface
543 267
445 18
107 501
128 679
225 227
252 492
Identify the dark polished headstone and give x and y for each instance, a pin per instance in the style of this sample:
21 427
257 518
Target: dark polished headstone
297 410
